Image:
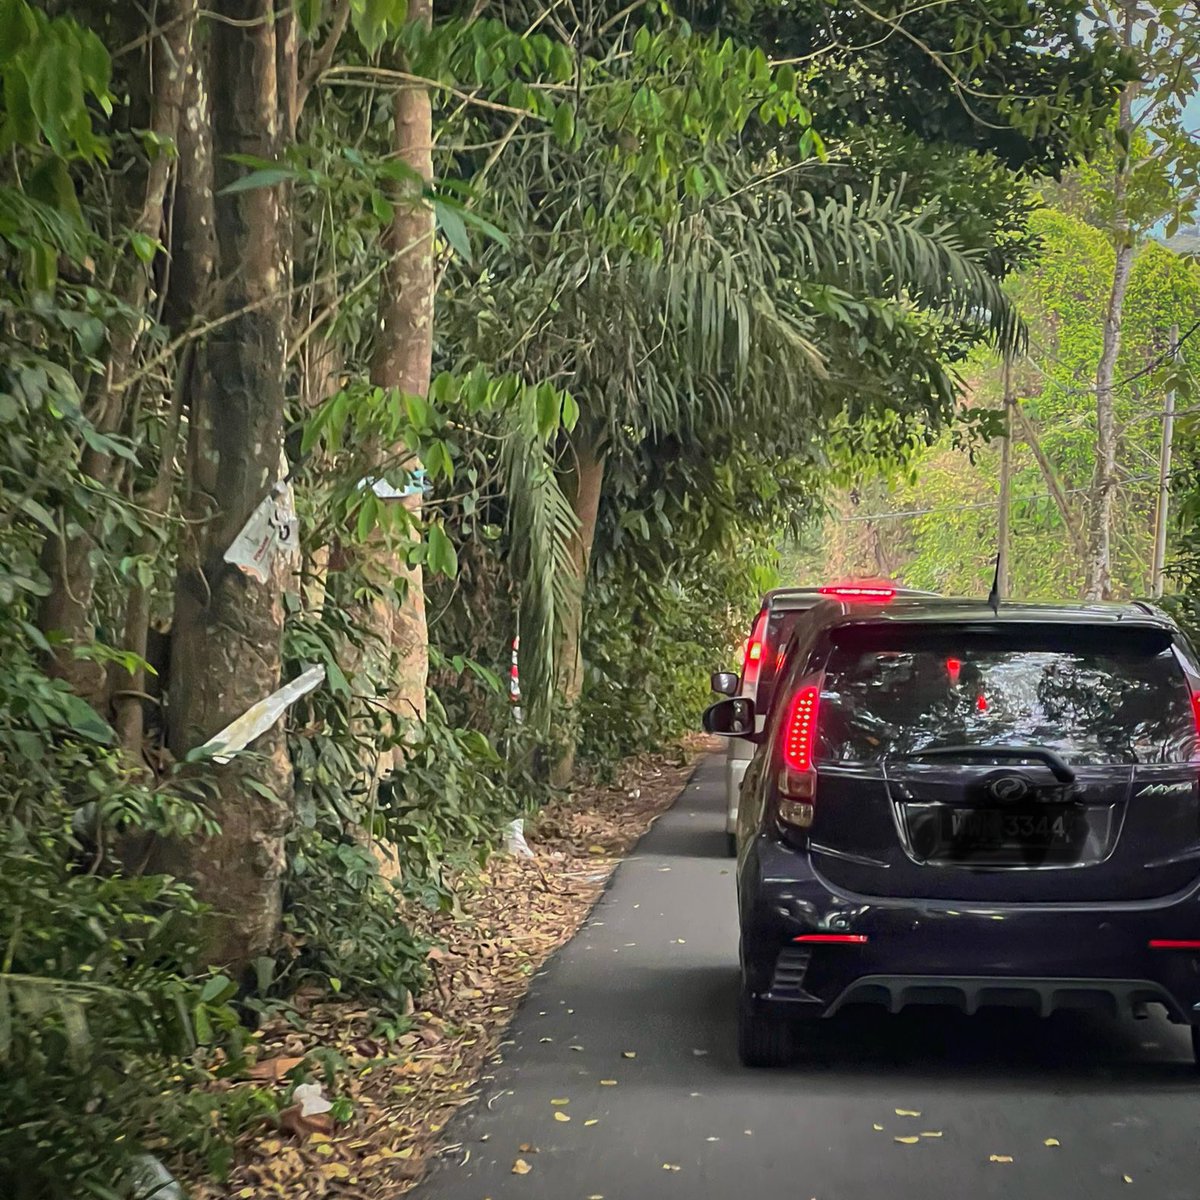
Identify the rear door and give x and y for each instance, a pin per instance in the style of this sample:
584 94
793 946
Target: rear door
1006 763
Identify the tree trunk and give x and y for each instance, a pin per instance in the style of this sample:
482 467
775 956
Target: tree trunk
1046 467
1098 575
227 635
67 609
403 360
582 486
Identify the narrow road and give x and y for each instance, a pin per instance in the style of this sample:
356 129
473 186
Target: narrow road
644 996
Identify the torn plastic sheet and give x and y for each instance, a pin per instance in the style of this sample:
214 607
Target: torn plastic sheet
258 718
514 838
388 491
272 527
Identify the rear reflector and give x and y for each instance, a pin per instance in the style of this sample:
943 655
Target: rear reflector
832 939
1196 709
878 595
1175 943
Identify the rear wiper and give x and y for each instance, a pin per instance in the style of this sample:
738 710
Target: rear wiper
1058 767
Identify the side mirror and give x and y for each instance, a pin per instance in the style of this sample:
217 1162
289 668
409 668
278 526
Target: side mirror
731 718
725 683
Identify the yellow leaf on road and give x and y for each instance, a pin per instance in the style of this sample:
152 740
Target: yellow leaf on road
593 1121
608 1083
1000 1158
521 1167
629 1054
560 1102
1052 1142
907 1141
1127 1178
906 1112
561 1116
932 1133
877 1128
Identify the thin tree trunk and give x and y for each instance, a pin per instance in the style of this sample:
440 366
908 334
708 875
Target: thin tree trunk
67 609
227 635
1070 523
1098 574
403 359
582 485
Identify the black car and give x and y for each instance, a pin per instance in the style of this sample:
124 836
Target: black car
955 804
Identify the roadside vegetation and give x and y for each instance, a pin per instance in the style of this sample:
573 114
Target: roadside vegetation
347 341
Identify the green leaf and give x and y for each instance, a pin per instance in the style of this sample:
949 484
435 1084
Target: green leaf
309 13
217 990
451 224
145 247
564 124
17 28
570 411
374 20
442 557
265 177
85 720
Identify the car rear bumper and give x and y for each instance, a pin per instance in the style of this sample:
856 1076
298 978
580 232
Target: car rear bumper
1041 957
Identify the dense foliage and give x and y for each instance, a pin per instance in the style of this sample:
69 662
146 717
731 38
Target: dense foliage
685 271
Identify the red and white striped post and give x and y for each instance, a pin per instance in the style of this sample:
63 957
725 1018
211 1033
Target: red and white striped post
514 682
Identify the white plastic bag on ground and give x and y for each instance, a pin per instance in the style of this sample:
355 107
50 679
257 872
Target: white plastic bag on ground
515 842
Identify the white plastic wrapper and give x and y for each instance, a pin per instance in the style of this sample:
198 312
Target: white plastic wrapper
258 718
311 1100
271 529
515 842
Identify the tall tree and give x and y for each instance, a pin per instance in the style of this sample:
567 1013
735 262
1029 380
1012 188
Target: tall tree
1154 176
227 631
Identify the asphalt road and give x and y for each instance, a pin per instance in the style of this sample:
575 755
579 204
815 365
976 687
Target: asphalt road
644 996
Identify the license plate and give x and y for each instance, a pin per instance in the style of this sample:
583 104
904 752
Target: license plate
998 829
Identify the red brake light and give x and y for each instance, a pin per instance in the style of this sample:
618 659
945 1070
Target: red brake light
953 668
868 593
1174 944
1196 709
981 703
801 729
797 775
754 651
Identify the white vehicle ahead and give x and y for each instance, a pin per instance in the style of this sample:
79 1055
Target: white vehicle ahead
777 617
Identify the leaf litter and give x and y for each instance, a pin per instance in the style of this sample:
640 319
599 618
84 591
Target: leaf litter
514 913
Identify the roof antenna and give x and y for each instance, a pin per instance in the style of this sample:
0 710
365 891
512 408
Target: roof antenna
994 595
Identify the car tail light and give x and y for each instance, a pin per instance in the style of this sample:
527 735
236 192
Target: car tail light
797 775
1196 709
754 652
867 593
832 939
1175 943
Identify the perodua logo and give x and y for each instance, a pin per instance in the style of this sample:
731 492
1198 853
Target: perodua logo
1009 788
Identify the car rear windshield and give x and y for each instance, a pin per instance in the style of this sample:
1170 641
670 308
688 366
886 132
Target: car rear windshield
780 626
1095 696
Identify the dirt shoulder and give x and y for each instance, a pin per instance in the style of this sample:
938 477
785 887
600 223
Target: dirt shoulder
515 914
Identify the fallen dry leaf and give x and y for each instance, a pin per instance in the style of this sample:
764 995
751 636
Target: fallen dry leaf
561 1116
1127 1178
521 1167
560 1102
906 1112
907 1141
608 1083
629 1054
932 1134
271 1070
1000 1158
292 1120
671 1167
1052 1142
